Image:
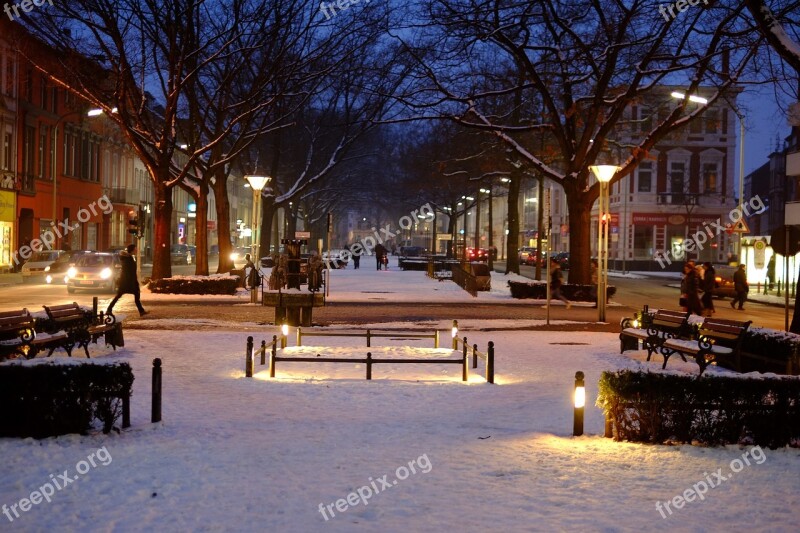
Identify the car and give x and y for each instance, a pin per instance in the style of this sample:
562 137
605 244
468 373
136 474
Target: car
56 273
338 258
35 267
525 252
237 255
534 256
563 260
179 254
723 281
115 249
477 254
99 270
412 251
213 251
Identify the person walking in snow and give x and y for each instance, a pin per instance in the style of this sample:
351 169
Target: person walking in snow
556 281
128 282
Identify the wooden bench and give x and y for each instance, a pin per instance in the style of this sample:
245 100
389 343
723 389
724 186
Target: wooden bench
717 338
18 336
663 325
81 327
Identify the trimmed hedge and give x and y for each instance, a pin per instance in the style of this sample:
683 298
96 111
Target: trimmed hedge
219 284
48 399
714 410
571 291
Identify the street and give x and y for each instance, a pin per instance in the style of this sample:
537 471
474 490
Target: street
631 295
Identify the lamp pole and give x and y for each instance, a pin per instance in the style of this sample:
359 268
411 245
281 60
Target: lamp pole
257 183
603 173
741 180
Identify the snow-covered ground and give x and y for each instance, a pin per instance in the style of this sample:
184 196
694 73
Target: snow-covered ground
415 449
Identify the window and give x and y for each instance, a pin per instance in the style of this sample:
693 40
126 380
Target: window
29 151
696 126
6 159
710 177
43 92
712 121
646 119
677 181
645 172
43 168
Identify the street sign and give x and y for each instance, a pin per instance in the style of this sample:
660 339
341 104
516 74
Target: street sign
740 227
302 234
760 258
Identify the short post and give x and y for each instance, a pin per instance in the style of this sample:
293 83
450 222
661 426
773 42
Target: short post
284 334
580 402
464 347
454 332
369 344
249 363
274 344
272 360
490 363
369 365
299 336
609 429
94 306
436 339
126 411
263 352
155 415
474 356
464 367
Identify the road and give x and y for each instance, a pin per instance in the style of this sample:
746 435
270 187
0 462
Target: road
631 295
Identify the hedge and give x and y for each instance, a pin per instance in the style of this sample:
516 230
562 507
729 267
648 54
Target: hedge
713 410
571 291
218 284
47 399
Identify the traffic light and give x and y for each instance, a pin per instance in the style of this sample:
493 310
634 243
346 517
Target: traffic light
136 222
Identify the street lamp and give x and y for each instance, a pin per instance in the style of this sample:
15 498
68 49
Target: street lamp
603 173
257 183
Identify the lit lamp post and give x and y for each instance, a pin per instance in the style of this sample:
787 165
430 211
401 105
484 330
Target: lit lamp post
257 183
603 173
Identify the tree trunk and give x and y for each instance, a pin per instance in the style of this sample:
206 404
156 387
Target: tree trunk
219 184
201 232
267 218
794 327
162 266
291 222
580 236
512 239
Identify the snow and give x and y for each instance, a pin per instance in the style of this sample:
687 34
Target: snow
261 454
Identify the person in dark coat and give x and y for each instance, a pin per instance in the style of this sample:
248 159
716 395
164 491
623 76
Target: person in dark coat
709 283
356 258
381 254
252 276
741 286
128 282
771 272
690 287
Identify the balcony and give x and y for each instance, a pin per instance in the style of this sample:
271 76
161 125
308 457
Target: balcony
120 195
678 198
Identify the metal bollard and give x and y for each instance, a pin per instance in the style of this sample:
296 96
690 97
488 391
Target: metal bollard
490 363
155 415
249 363
474 356
369 365
263 352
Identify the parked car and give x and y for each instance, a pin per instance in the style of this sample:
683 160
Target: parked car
477 254
411 251
99 270
34 268
534 256
563 260
56 273
179 254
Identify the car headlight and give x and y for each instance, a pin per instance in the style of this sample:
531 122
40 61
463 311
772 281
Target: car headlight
71 273
105 273
47 268
49 278
234 256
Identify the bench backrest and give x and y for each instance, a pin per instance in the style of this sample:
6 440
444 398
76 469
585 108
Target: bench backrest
14 323
725 332
673 321
65 312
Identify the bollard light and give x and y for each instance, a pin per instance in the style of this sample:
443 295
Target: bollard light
454 332
580 402
284 334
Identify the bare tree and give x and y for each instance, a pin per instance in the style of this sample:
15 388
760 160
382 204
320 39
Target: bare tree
576 68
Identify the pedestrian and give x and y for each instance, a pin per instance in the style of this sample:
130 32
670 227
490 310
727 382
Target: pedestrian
315 268
741 286
771 272
380 254
128 282
356 258
556 281
251 273
709 284
690 286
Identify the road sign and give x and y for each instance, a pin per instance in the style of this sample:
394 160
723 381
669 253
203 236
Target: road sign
302 234
740 227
